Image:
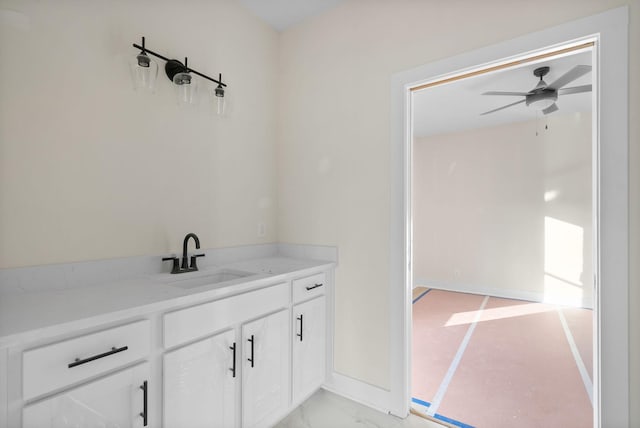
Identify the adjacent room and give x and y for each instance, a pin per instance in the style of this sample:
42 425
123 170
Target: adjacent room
503 246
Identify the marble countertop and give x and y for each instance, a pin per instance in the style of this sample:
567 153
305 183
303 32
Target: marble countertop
29 316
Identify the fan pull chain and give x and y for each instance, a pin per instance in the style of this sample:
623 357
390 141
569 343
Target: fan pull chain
546 125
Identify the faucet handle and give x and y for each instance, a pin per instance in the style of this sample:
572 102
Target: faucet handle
193 265
176 266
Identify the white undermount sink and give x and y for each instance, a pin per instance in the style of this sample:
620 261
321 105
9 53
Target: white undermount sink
202 278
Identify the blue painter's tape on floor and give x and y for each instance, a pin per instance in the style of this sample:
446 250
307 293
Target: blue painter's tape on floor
421 402
451 421
439 416
420 296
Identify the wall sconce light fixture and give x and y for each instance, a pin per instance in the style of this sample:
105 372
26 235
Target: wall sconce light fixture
145 70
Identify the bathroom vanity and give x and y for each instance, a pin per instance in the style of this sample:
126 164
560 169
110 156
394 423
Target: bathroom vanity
238 345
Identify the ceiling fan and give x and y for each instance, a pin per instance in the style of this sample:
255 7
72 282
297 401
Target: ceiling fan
543 97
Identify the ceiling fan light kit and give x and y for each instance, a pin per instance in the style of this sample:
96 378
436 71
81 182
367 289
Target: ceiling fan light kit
543 100
543 97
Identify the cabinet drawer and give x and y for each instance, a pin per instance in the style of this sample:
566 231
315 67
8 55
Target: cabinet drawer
198 321
308 287
117 400
64 363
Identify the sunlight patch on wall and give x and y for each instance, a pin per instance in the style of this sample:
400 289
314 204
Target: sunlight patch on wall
550 195
563 262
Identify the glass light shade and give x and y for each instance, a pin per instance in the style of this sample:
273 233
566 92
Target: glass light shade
144 72
185 88
542 104
219 100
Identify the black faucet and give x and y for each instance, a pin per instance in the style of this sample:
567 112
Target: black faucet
186 267
184 249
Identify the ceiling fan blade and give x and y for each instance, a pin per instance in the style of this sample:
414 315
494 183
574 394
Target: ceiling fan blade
570 76
574 90
518 94
503 107
553 107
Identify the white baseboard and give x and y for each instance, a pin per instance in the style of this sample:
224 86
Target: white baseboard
358 391
530 296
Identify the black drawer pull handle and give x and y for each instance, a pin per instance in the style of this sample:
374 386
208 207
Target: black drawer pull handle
233 368
315 286
114 350
300 334
143 387
252 357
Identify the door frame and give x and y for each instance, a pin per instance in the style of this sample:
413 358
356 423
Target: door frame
609 31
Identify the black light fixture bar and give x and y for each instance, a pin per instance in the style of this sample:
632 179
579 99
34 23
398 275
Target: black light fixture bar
191 70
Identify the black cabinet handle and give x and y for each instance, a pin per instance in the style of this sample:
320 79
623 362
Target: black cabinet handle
143 387
233 368
114 350
252 357
300 334
314 286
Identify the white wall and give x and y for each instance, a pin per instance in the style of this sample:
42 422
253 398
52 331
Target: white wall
506 210
333 153
90 169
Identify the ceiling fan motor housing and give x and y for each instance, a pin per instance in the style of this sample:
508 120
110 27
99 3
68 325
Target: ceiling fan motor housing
540 95
541 92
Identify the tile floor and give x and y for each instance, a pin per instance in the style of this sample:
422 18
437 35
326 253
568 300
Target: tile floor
481 361
327 410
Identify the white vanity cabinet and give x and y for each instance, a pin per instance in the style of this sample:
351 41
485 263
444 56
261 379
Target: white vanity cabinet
238 357
201 378
309 335
309 345
265 370
117 400
200 383
63 363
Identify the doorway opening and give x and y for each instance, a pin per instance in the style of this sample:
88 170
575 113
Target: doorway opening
502 243
609 32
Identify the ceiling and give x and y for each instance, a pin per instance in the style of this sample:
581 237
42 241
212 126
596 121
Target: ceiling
457 106
282 14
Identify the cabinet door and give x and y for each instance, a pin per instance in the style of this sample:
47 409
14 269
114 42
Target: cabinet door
265 370
118 400
200 384
309 343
